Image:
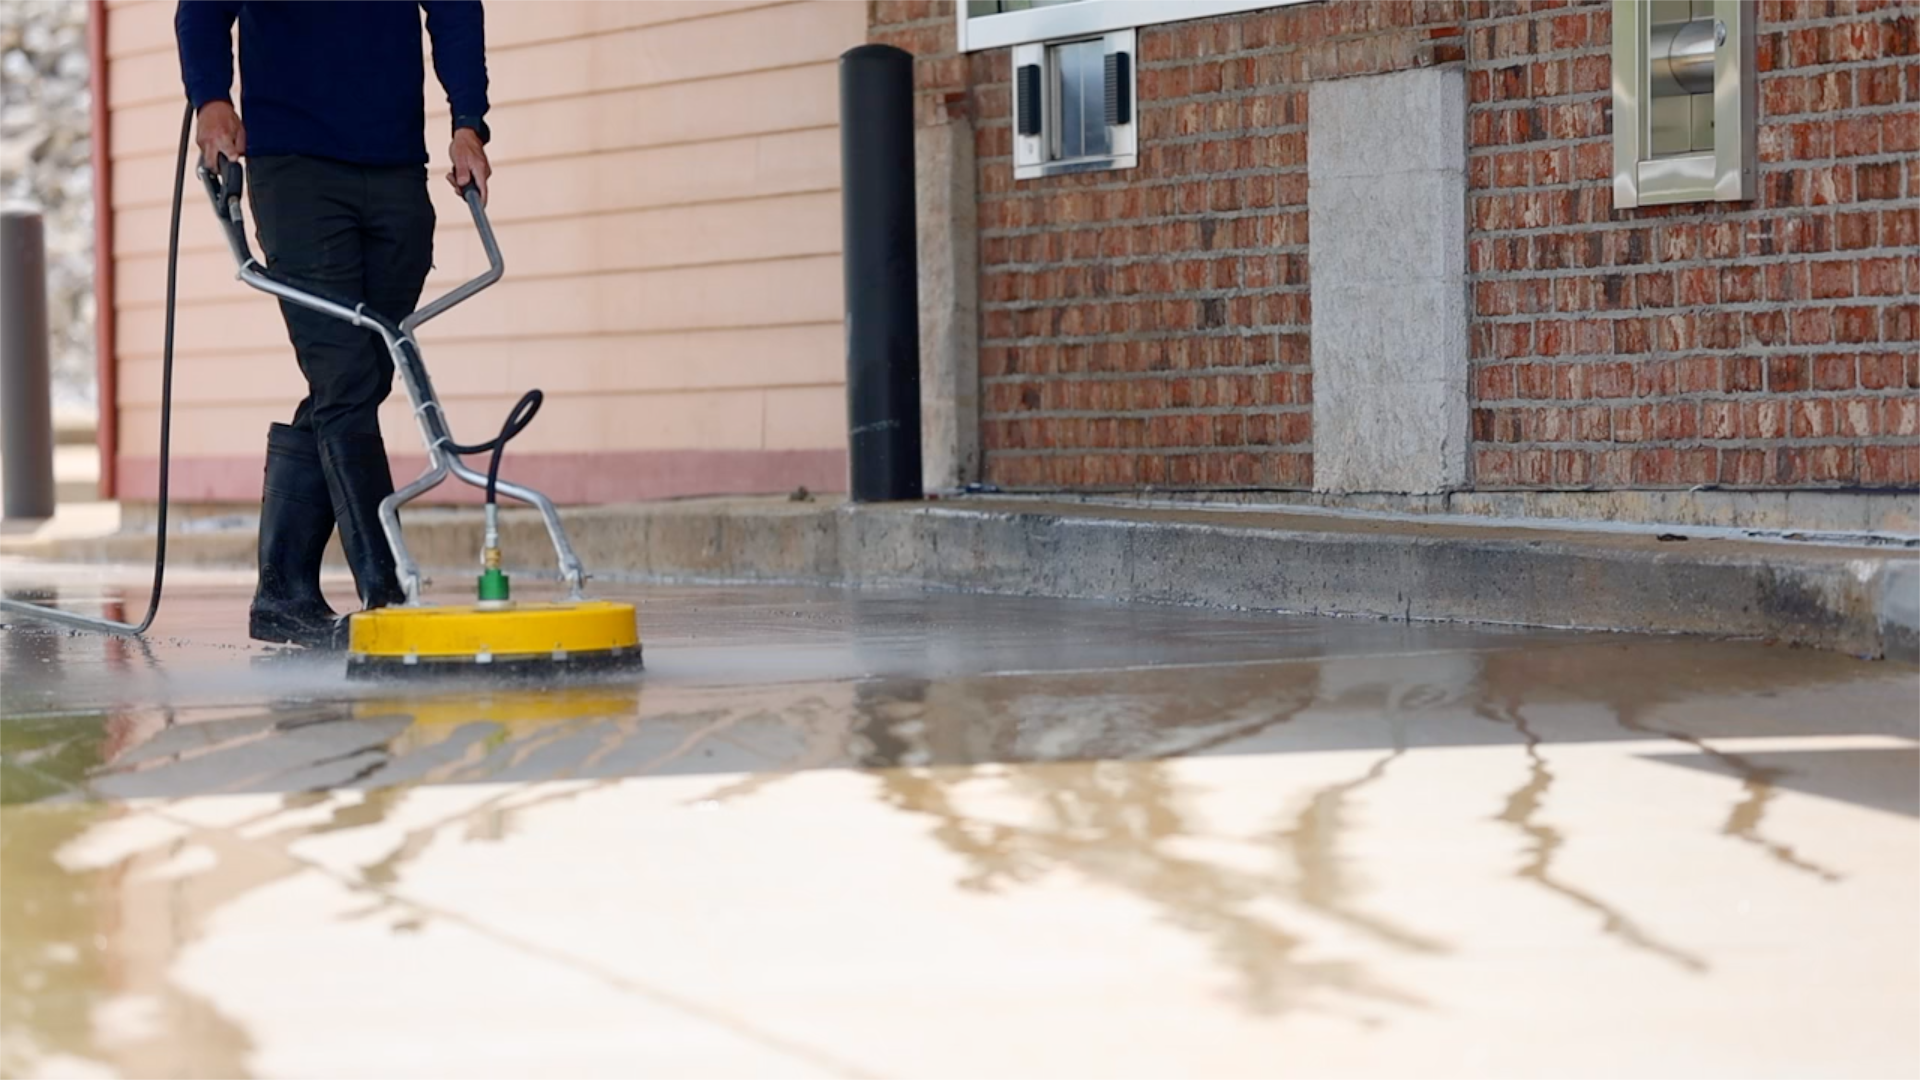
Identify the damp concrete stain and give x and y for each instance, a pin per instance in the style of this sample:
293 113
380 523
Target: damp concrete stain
876 834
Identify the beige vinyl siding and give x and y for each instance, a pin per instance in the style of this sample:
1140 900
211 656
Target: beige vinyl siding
666 196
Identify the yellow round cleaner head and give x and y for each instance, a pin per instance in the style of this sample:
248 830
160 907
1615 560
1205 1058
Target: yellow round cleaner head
503 637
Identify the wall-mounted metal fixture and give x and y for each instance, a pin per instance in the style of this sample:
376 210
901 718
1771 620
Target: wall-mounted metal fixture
1683 101
1073 106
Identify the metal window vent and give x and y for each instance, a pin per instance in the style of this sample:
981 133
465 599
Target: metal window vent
1027 93
1119 79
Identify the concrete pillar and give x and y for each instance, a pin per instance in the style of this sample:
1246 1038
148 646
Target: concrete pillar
1387 210
949 304
26 396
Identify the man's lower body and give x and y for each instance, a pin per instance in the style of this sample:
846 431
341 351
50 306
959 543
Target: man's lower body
356 234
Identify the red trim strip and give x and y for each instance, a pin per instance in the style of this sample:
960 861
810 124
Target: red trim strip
107 382
568 479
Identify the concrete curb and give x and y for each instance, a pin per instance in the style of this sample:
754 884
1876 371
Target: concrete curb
1860 600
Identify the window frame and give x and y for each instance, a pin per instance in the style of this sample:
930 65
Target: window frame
1088 18
1035 156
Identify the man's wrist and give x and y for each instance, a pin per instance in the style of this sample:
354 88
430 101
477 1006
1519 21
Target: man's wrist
474 124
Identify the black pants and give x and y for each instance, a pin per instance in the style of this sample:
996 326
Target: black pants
355 233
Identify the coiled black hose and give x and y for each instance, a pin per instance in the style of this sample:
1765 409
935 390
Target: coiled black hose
518 418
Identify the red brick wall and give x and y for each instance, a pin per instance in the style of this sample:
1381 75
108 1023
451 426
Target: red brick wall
1150 326
1762 344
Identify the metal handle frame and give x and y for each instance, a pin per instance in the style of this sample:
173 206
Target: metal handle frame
405 351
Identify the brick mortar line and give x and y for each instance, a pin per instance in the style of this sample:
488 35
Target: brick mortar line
1707 397
1671 444
1721 263
1140 260
1161 335
1596 8
1177 294
1142 416
1147 374
1862 112
1741 307
1760 119
1228 215
1148 219
1556 231
1180 140
1700 216
1546 18
1894 204
1153 451
1763 352
1758 352
1153 335
1780 348
1734 218
1170 140
1738 307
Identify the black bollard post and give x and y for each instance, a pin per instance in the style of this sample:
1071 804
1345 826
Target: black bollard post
882 265
26 398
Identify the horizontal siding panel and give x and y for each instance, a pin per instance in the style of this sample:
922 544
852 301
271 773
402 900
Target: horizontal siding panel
786 35
707 420
140 27
726 44
667 199
752 166
576 246
143 231
752 104
806 417
784 293
512 23
704 420
207 274
250 322
147 77
256 379
648 239
153 128
699 298
780 356
653 363
742 168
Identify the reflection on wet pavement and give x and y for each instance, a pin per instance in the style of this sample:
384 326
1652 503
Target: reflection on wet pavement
850 834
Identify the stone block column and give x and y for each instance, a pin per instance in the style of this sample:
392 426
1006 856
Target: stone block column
1386 202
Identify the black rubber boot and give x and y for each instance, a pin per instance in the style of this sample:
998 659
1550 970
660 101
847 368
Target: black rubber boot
358 478
296 518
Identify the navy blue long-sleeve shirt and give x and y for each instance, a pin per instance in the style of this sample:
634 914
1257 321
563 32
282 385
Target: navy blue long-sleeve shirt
334 78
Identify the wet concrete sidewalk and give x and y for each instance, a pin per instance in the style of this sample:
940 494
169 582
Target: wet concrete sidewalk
899 835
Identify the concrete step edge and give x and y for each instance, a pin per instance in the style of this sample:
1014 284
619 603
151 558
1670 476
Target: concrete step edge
1860 600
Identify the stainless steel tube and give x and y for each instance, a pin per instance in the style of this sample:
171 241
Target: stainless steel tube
26 393
1680 57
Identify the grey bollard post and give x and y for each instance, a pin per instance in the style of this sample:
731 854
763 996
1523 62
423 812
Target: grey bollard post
26 392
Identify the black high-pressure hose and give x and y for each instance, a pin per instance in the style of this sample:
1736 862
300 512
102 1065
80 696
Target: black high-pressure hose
166 367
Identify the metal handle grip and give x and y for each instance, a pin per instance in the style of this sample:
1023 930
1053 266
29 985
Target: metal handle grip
224 183
496 266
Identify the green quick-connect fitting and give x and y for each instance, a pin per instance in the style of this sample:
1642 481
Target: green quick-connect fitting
493 585
493 580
